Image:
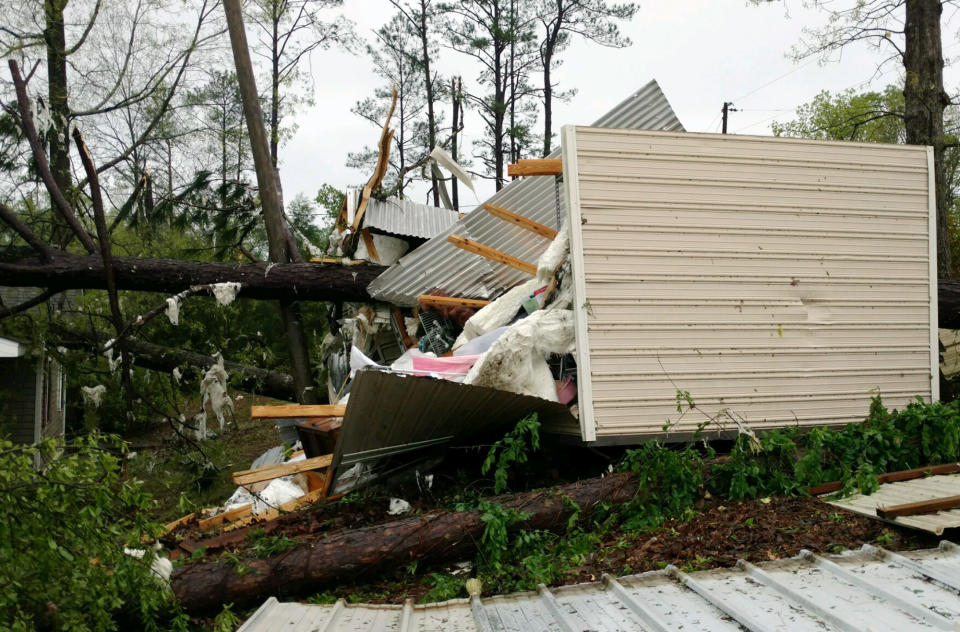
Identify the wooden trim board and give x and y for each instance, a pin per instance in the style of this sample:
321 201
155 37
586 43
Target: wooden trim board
296 411
267 472
520 220
538 167
451 301
493 255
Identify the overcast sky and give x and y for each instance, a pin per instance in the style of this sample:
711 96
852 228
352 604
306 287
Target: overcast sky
702 52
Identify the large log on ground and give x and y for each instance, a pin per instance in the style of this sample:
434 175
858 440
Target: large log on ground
288 281
434 537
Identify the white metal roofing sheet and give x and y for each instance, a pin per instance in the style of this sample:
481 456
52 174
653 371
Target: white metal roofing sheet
870 589
438 264
913 491
408 218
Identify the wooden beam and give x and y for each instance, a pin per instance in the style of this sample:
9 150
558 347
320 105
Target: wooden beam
267 472
922 507
401 326
891 477
338 261
227 516
371 247
520 220
541 167
296 411
493 255
451 301
271 514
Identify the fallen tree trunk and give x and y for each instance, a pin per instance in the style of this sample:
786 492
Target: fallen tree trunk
435 537
287 281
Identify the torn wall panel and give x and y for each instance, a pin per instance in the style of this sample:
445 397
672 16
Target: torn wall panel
786 280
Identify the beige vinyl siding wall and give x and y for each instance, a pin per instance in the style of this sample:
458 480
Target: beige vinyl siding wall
782 279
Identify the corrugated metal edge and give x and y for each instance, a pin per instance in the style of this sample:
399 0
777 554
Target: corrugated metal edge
559 604
571 180
934 289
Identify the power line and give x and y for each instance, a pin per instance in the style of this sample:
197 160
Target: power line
773 81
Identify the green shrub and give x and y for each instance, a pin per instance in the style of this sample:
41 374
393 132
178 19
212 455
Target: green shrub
63 528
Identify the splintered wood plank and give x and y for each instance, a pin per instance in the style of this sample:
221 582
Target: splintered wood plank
540 167
520 220
267 472
451 301
371 247
295 411
272 514
227 516
922 507
338 261
892 477
493 255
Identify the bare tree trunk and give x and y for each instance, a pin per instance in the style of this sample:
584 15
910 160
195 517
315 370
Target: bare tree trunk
924 103
349 556
428 83
278 235
57 137
547 101
455 88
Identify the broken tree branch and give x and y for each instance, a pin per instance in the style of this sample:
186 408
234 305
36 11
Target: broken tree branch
10 219
43 166
100 221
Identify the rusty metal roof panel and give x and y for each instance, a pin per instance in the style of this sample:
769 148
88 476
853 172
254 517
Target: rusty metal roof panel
913 491
867 589
408 218
438 264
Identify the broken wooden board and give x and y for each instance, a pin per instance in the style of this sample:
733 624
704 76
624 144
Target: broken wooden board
227 516
268 472
297 411
539 167
520 220
428 300
922 507
493 255
271 514
891 477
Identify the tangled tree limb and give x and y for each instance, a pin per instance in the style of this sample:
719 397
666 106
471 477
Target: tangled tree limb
435 537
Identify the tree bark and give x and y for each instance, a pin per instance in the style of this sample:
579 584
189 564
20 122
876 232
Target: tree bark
282 281
282 246
58 139
924 103
428 84
434 537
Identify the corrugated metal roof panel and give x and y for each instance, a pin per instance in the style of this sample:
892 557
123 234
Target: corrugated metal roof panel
868 589
390 413
785 280
913 491
438 264
408 218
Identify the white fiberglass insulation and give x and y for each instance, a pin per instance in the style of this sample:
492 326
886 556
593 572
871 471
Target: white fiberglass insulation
213 391
225 293
517 361
93 394
389 249
554 255
173 310
498 313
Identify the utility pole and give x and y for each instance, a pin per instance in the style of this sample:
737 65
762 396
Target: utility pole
727 108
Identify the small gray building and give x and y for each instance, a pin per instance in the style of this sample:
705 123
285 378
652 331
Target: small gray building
32 394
